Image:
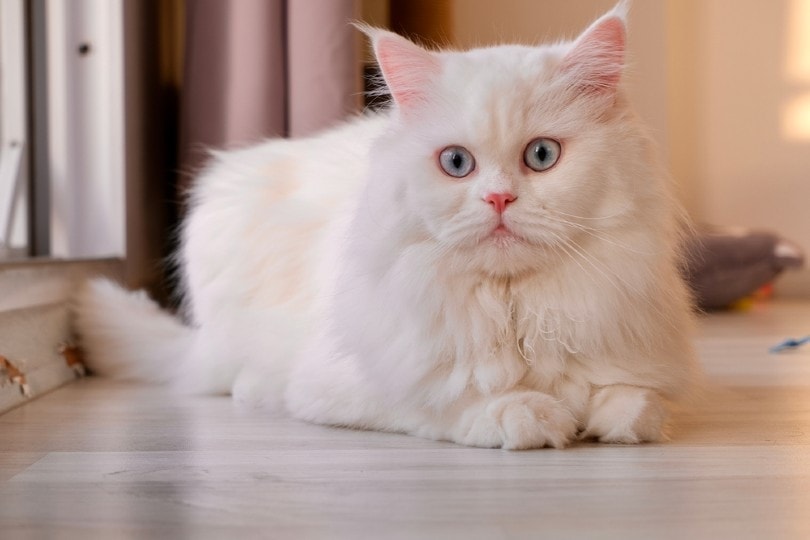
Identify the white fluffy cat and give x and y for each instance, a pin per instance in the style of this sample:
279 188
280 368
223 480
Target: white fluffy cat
492 262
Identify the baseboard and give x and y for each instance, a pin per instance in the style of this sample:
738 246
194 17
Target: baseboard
35 324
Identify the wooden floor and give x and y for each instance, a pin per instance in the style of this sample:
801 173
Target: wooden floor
103 460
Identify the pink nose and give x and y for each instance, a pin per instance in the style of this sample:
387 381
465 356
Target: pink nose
499 200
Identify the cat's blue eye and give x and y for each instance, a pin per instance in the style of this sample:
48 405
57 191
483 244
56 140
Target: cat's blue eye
456 161
542 154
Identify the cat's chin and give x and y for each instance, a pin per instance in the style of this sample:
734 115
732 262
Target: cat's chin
505 253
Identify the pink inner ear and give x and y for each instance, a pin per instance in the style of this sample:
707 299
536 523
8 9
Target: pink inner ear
597 59
408 69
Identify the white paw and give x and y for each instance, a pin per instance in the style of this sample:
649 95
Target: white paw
521 420
626 415
258 387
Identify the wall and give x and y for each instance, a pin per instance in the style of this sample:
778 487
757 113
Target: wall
740 111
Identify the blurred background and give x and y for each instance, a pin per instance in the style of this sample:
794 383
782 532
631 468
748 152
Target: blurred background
109 106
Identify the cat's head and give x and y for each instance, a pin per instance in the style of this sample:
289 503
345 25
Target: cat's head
506 154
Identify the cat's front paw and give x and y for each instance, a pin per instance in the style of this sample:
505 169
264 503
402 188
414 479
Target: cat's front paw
626 415
519 421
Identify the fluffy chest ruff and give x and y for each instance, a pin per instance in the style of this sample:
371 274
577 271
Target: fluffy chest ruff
498 335
449 337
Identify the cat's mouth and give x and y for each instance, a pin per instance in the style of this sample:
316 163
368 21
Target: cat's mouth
503 232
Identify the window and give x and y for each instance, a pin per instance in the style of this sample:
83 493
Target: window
62 128
14 148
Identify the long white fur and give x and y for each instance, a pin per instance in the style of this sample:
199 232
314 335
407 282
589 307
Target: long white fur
346 280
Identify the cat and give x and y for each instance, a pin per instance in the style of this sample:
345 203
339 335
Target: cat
493 261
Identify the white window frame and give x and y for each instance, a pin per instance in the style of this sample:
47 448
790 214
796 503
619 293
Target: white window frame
13 131
86 128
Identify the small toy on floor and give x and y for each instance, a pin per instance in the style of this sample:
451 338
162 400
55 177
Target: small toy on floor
725 267
13 375
73 358
789 344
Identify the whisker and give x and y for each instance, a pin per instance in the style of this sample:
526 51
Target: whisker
563 246
617 214
459 224
576 248
628 286
596 233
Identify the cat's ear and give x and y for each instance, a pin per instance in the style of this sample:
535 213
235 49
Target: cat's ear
407 68
597 57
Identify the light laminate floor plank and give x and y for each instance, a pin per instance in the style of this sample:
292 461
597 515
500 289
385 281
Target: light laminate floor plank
99 459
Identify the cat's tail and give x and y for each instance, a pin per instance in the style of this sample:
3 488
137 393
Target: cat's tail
126 335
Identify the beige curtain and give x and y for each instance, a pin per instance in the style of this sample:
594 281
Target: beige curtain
264 68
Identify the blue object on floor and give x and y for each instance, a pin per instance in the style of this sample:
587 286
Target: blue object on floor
789 344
